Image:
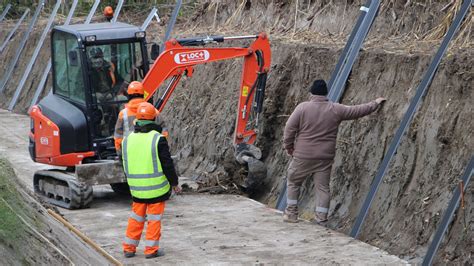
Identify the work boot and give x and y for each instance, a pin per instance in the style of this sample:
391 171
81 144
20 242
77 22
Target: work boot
128 254
323 223
290 218
291 214
159 253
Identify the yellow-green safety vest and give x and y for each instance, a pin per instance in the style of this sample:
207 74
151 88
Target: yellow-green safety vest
142 165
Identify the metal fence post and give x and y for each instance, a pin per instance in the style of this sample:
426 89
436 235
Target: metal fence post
21 46
408 117
10 34
19 88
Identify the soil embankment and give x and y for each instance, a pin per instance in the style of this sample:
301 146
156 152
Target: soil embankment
430 159
29 236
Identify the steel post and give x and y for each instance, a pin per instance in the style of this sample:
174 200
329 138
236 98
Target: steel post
151 15
337 88
22 44
19 88
92 12
17 25
174 15
117 11
5 11
345 52
408 117
448 215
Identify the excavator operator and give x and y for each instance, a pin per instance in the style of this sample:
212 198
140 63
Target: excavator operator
103 73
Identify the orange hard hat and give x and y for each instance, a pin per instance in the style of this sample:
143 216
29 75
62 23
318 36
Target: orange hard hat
108 11
135 87
146 111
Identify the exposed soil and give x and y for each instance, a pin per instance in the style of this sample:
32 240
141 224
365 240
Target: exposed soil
431 157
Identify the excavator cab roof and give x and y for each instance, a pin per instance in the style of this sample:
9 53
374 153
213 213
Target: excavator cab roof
103 31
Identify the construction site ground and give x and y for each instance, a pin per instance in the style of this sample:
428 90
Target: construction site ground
198 228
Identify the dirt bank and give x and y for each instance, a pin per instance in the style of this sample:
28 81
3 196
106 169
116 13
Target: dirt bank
29 236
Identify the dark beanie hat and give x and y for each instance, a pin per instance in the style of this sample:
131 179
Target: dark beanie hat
319 88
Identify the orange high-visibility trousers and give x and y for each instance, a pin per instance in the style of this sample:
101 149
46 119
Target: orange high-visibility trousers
136 222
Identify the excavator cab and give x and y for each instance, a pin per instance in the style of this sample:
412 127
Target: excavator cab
92 66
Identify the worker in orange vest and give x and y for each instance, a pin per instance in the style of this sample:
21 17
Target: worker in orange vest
151 177
125 122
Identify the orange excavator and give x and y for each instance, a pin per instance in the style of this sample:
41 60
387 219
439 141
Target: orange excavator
72 127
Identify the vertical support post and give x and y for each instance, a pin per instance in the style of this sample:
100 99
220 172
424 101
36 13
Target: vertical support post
408 117
151 15
10 35
448 215
19 88
44 77
92 12
9 71
117 11
5 12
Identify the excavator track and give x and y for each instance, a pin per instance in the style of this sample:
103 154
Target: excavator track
61 188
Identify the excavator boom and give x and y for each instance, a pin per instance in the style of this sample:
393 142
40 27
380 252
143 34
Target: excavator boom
178 59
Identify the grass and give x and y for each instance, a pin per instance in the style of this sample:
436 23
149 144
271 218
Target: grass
13 232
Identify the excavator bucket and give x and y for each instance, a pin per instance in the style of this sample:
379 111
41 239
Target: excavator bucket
250 156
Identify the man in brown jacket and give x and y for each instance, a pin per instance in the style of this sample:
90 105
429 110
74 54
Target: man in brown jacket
310 138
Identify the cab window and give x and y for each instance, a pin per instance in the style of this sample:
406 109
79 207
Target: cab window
68 73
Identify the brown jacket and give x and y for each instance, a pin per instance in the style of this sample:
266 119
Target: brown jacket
312 128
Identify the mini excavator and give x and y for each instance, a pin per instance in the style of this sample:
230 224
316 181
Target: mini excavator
72 127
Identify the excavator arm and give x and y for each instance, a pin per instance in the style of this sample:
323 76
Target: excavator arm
179 58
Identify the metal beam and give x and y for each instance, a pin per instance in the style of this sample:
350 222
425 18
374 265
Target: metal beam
408 117
117 11
10 35
170 27
338 86
10 69
345 52
357 37
21 84
448 215
153 13
5 11
92 12
44 77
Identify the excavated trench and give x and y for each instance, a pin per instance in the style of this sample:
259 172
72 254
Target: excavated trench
429 161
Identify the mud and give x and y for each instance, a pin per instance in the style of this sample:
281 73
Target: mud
430 159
